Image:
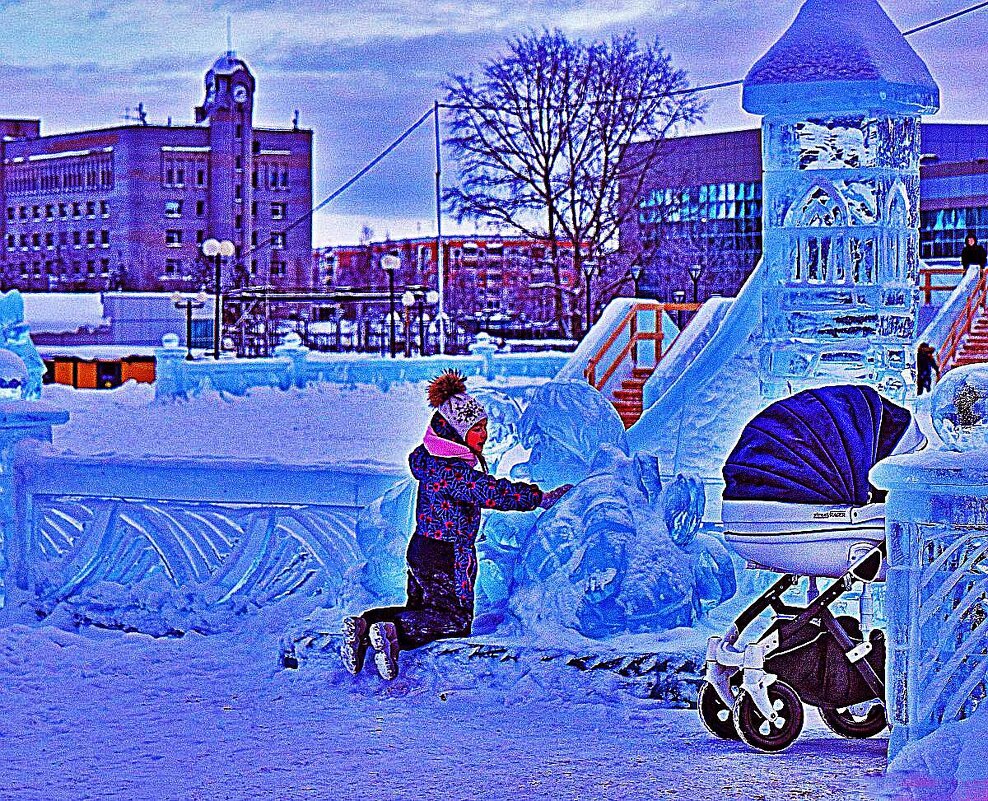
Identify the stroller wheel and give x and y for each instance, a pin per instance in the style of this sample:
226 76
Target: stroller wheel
764 734
856 723
715 714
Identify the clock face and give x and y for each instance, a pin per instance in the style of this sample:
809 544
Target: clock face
240 94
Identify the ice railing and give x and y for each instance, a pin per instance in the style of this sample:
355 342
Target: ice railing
294 365
162 545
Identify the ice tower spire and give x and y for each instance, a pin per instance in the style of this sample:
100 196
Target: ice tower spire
842 94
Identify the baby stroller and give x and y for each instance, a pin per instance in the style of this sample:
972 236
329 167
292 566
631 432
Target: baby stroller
798 502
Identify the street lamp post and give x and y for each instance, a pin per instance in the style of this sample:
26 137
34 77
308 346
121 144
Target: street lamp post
636 270
679 296
589 268
432 298
216 249
408 301
390 263
695 271
188 304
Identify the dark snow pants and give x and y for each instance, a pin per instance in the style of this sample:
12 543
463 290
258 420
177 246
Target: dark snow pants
432 611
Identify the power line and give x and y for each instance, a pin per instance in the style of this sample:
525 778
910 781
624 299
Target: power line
946 18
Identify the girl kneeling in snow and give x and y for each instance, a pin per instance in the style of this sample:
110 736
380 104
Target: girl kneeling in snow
454 486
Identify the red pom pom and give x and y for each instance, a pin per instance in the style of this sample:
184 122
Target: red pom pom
445 386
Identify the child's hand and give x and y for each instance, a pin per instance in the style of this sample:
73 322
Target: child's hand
550 499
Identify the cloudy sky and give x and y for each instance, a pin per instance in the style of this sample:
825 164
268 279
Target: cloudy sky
361 71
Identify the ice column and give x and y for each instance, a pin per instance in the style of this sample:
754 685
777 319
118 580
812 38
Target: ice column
842 94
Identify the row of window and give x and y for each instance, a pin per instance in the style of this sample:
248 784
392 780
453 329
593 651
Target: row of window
954 219
62 211
175 237
279 267
90 238
90 268
175 208
703 194
91 171
179 174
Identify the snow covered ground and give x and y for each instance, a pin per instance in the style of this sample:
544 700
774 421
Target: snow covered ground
217 718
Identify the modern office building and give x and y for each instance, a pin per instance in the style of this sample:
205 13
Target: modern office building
700 205
129 206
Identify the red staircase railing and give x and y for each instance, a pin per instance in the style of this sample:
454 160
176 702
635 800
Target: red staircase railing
961 328
927 287
635 337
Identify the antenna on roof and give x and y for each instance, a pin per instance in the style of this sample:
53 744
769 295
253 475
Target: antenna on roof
229 36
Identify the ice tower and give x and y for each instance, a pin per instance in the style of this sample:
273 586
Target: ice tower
842 94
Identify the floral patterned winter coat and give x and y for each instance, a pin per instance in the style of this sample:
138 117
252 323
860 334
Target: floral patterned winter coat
451 495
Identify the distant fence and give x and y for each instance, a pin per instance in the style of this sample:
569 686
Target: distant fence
296 366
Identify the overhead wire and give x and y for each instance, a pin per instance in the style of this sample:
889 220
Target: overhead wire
687 91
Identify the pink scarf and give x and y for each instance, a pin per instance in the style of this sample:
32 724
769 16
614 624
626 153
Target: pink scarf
446 449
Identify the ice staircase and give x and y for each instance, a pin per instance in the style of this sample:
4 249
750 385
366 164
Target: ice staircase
967 340
627 398
624 358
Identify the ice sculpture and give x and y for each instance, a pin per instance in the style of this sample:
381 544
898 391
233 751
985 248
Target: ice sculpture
565 425
603 561
15 336
960 408
842 94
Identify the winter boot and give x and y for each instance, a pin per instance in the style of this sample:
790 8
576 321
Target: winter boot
354 644
384 641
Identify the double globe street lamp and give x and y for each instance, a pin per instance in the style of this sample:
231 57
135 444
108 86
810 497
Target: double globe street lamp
216 250
188 304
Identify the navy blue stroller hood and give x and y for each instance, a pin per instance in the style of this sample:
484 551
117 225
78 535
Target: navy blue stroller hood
815 447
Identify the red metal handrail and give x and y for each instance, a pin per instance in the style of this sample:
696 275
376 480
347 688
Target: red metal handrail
961 327
635 336
928 287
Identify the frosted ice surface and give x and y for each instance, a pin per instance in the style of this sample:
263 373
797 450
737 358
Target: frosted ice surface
565 425
853 40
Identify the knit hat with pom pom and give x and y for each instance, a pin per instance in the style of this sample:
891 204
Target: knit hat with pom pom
448 395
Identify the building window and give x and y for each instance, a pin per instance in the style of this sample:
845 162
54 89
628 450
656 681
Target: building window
173 208
239 131
23 211
200 237
104 208
278 267
173 238
170 176
277 240
180 177
200 208
11 242
200 177
76 210
279 211
104 238
238 194
36 240
173 266
253 208
63 238
253 179
253 266
238 222
91 238
49 240
50 212
253 239
63 210
36 212
91 209
238 162
284 179
11 214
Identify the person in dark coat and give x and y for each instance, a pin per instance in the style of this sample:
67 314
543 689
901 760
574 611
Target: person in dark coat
926 365
454 487
973 253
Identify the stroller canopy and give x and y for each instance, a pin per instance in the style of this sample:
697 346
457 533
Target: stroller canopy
815 447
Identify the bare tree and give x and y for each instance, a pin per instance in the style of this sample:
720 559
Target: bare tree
539 137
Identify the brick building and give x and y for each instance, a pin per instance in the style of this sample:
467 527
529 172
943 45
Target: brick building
129 206
484 275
